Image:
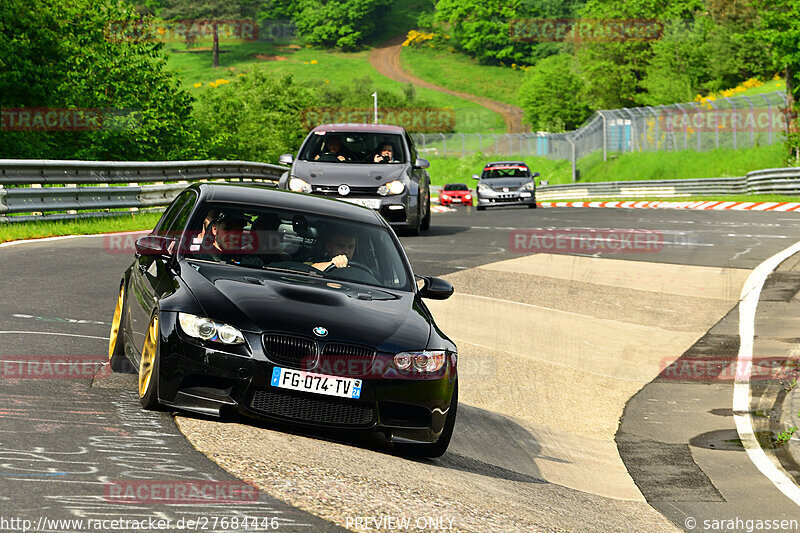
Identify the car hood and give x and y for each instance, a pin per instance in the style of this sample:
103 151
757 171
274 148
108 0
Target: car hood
511 183
255 301
360 175
455 193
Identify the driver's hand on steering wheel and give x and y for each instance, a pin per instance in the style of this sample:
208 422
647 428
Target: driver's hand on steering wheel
340 261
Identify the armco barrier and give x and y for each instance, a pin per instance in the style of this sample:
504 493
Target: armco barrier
35 187
80 189
770 181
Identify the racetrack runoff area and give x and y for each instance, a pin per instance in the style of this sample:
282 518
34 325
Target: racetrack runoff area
550 351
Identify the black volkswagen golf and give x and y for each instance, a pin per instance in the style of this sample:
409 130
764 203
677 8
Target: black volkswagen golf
286 307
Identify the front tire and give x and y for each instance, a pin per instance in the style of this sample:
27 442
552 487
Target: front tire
426 220
116 344
438 448
148 368
415 229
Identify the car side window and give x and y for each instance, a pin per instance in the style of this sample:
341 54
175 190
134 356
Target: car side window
176 215
411 148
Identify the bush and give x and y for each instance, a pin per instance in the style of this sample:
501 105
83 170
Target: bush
551 95
60 54
255 118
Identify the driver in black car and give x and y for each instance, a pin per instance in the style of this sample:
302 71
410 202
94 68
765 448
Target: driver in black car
339 248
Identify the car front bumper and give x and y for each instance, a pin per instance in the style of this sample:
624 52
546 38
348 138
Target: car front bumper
495 198
212 382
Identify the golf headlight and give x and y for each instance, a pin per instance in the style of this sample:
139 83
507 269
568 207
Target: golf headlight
444 196
424 361
482 187
208 330
393 187
528 186
298 185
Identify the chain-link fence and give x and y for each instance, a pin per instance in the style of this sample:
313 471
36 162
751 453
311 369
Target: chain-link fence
734 122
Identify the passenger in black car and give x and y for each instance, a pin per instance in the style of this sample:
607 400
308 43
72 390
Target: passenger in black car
228 232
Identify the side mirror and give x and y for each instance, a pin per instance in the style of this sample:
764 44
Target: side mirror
286 159
436 288
536 175
421 163
154 245
476 177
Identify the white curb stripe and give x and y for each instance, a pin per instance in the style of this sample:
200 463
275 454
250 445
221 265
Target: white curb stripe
741 388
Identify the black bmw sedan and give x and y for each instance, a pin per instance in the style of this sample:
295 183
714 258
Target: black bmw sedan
290 308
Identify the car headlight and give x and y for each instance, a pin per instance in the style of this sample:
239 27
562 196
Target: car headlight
444 197
298 185
482 187
393 187
209 330
528 186
424 361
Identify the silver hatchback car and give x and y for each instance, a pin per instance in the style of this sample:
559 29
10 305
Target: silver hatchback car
506 183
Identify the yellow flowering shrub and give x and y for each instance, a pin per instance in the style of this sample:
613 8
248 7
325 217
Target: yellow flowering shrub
417 38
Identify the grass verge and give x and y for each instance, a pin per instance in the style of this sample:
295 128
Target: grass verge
89 226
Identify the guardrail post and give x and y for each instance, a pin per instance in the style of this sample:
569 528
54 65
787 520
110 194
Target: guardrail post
463 145
444 144
480 142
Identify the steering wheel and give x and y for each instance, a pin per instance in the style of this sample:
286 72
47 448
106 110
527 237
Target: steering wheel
354 264
329 157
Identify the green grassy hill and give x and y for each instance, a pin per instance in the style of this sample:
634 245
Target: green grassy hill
312 65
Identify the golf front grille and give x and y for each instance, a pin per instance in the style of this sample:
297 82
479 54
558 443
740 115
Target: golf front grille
314 410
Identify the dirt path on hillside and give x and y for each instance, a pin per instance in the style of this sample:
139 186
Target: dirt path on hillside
385 58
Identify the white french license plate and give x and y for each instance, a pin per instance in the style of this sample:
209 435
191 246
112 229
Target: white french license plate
372 203
525 195
286 378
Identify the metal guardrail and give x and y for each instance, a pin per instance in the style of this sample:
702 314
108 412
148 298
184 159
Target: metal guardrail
44 186
770 181
28 195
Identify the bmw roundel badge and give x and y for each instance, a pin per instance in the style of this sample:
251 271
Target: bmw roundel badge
319 331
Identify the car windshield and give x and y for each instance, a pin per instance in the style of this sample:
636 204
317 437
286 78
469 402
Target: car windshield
506 171
456 187
292 241
352 147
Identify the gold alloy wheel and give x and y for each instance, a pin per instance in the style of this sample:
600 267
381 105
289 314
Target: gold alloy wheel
112 343
148 358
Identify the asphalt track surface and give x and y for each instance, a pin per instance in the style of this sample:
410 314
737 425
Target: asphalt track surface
63 440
